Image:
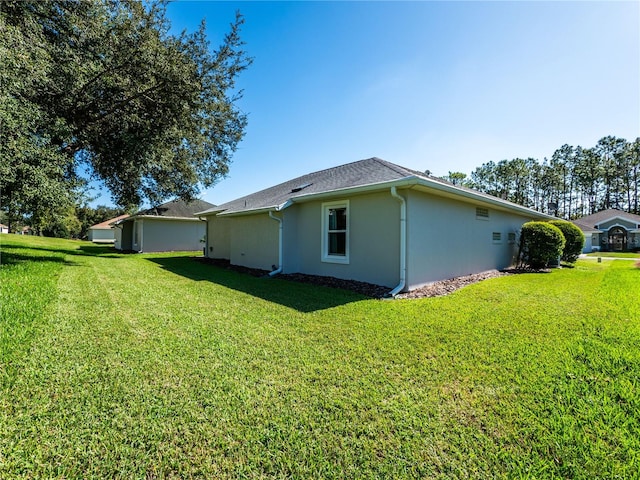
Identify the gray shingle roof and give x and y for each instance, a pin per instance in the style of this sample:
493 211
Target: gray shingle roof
363 173
355 174
176 209
599 217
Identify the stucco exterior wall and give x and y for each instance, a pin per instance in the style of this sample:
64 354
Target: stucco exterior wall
589 242
102 235
374 239
169 235
124 236
445 239
218 237
253 241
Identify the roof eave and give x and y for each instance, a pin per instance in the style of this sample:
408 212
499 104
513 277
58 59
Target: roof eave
161 217
208 212
407 182
480 197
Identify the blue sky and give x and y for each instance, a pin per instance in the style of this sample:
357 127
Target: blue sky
443 86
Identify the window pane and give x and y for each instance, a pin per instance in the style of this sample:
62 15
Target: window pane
337 219
337 243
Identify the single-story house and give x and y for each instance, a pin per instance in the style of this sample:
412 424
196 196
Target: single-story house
371 221
610 230
104 232
165 228
4 228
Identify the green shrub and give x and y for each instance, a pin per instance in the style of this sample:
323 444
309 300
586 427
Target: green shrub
540 242
574 240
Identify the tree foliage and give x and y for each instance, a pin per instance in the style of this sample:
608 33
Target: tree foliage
103 86
540 243
576 181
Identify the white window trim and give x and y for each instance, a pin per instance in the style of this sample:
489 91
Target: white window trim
325 257
498 240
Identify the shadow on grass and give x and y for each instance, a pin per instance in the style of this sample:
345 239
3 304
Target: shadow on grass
10 258
108 251
299 296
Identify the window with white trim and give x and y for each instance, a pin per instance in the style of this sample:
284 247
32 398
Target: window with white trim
496 237
335 232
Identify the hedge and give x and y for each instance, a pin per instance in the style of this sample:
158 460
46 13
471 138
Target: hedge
574 240
540 242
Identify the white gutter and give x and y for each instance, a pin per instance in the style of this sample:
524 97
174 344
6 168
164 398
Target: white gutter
279 220
403 243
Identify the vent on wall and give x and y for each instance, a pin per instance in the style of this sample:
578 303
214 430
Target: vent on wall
482 212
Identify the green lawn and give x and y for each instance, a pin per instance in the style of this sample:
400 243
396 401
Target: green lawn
156 366
614 254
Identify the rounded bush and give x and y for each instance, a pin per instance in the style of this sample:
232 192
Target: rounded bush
540 242
574 240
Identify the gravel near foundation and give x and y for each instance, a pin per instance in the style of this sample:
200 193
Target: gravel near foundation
435 289
445 287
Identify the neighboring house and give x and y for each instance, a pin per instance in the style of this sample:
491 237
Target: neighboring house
104 232
167 227
371 221
610 231
4 228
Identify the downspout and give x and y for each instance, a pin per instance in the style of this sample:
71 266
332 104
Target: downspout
141 236
206 236
279 220
403 244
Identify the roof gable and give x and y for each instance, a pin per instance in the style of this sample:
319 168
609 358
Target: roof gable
605 216
108 224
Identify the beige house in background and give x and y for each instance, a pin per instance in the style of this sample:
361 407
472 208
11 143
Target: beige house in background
169 227
371 221
104 232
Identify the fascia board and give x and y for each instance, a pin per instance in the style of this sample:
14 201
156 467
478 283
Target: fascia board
209 212
254 211
159 217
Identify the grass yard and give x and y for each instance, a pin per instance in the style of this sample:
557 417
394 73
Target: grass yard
156 366
614 254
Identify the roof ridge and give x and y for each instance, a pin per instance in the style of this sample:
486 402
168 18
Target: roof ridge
392 166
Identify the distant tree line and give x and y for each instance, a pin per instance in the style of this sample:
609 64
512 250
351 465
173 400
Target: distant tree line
71 222
576 181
